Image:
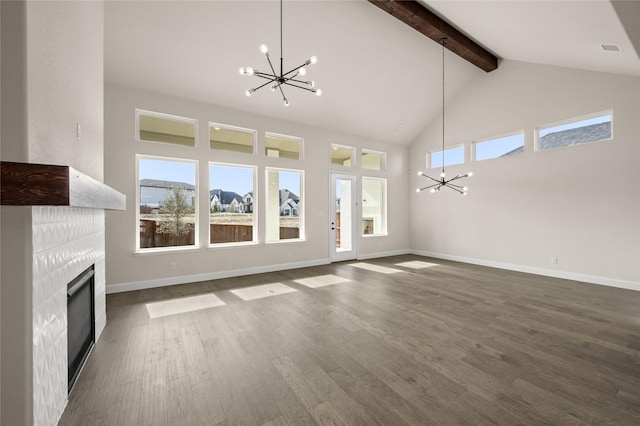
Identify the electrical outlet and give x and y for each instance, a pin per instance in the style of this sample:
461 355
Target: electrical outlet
78 131
554 260
172 266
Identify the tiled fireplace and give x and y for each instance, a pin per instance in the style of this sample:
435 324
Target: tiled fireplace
66 241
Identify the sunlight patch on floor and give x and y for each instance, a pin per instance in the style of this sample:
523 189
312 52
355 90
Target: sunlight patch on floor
182 305
375 268
321 281
260 291
416 264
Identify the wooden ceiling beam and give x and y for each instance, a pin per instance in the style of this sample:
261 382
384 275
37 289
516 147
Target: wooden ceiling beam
428 23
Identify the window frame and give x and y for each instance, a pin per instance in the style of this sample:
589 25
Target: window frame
142 112
196 243
301 206
254 240
538 129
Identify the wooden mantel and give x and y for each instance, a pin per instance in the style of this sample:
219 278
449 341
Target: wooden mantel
26 184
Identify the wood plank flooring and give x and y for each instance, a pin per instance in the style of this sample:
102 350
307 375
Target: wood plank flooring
444 345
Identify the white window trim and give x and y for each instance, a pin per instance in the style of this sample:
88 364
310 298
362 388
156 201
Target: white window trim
504 135
171 117
196 242
254 240
234 128
537 129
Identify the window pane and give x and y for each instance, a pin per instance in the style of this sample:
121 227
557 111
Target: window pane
374 206
373 160
282 146
500 147
574 133
156 127
227 138
168 200
284 204
231 218
451 156
342 155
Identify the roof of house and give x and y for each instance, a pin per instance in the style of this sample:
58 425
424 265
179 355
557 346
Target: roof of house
591 133
285 194
225 197
165 184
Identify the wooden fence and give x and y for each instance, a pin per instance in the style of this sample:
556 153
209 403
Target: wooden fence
220 233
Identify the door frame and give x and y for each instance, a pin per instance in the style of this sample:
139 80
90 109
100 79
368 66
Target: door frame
334 254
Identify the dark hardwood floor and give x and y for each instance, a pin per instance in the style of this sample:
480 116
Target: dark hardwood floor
444 345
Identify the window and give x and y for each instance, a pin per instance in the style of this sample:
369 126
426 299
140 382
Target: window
231 204
283 146
168 202
157 127
229 138
593 128
504 146
284 208
451 156
373 160
374 206
342 155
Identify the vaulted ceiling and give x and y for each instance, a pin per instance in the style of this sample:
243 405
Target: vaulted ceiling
381 79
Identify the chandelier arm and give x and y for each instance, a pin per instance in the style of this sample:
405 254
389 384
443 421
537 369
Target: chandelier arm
457 177
271 66
433 179
427 187
455 189
262 85
293 70
265 75
284 98
453 185
299 87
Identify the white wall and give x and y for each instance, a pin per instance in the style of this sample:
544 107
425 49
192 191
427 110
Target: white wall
126 270
52 78
580 204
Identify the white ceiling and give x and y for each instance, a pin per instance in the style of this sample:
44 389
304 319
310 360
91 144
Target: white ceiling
380 78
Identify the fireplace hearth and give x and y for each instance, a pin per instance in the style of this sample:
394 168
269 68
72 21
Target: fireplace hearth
80 322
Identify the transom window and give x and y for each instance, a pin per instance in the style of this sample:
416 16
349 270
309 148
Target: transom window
504 146
229 138
591 128
165 128
283 146
342 155
451 156
373 160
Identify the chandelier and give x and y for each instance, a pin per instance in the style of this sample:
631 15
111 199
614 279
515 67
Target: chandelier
443 182
289 78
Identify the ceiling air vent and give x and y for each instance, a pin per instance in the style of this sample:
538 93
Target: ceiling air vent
610 47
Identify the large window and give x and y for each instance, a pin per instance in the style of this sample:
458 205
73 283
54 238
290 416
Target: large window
284 204
158 127
373 160
505 146
232 216
229 138
591 128
283 146
168 201
450 156
374 206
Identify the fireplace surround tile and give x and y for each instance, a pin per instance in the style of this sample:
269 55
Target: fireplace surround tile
65 241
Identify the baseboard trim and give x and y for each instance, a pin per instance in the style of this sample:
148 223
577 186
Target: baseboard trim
592 279
185 279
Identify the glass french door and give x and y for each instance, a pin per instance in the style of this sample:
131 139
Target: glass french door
342 218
